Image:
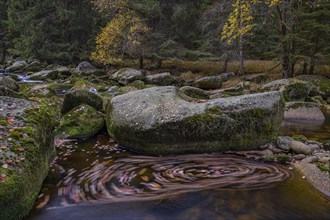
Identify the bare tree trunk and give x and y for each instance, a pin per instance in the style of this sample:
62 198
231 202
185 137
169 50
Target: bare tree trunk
304 70
141 63
240 45
312 66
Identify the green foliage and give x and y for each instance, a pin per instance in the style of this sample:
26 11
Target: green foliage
54 31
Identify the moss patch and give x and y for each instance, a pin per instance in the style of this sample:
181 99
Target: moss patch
29 150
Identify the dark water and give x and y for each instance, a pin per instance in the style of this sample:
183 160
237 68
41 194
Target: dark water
102 181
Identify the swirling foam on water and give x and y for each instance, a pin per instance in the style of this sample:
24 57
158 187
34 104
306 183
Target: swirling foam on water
137 178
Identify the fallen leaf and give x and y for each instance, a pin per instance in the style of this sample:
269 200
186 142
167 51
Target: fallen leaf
5 166
20 149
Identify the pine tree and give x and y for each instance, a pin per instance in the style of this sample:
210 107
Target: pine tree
50 30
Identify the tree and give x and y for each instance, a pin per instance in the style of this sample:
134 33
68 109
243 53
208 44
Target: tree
50 30
3 28
123 36
238 26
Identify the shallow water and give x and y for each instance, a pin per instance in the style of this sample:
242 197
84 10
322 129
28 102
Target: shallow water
102 181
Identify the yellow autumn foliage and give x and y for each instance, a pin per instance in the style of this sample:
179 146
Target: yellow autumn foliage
239 22
122 35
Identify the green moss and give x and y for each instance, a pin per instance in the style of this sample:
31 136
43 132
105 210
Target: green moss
323 167
214 110
296 91
22 186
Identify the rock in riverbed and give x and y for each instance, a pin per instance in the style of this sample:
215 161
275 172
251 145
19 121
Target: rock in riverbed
26 141
159 121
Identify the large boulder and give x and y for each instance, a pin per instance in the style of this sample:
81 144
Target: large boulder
320 85
75 98
303 111
159 121
292 89
26 141
128 75
164 79
81 122
210 82
9 83
16 66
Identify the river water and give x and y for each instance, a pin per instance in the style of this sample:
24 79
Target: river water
98 180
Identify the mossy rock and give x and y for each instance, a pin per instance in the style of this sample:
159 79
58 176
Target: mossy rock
81 122
76 98
159 121
320 85
297 91
9 83
209 82
30 145
194 92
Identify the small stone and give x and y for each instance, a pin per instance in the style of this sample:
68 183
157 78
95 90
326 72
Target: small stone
299 157
284 142
314 147
300 148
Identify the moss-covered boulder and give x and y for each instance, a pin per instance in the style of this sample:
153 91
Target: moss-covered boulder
81 122
26 140
164 79
160 121
9 83
320 85
194 92
292 89
128 75
76 98
209 82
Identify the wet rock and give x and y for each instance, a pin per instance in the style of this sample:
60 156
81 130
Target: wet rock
194 92
284 142
128 75
45 74
300 148
17 66
87 69
209 82
76 98
9 83
159 121
81 122
303 111
164 79
268 155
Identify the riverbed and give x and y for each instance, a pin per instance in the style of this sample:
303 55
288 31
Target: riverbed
97 179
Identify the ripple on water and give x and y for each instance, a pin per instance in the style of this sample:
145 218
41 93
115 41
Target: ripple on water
140 178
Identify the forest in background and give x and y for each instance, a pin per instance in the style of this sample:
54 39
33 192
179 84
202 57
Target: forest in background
66 32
